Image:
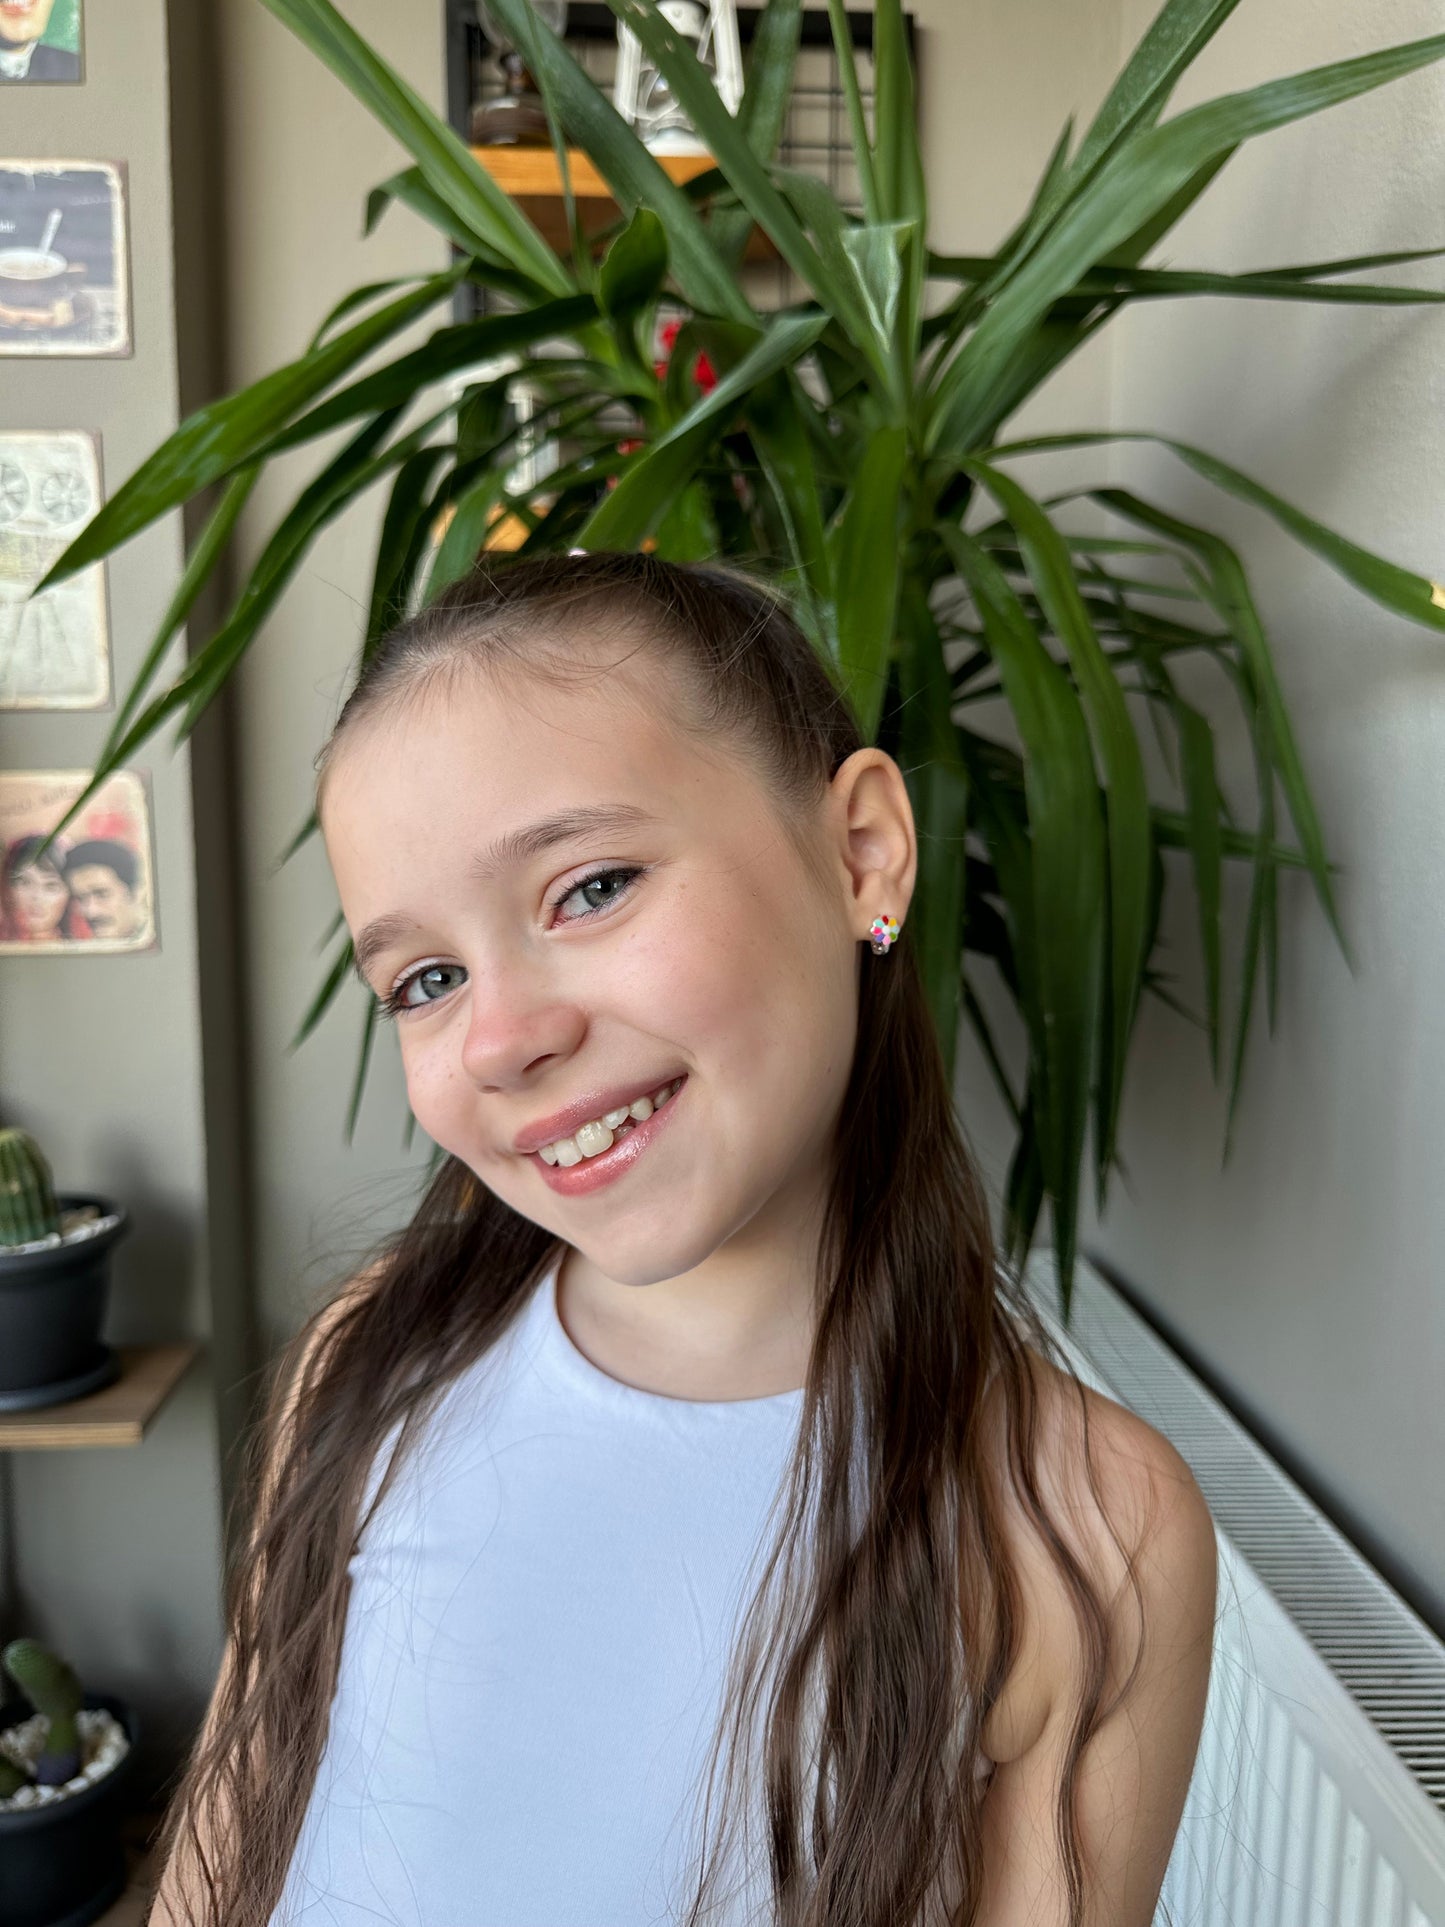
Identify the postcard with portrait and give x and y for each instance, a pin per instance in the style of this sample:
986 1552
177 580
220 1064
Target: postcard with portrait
39 41
54 647
93 890
64 270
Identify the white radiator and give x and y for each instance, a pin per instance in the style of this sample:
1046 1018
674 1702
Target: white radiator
1318 1795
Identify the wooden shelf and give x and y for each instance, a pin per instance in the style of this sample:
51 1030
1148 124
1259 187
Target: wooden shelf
116 1415
534 170
533 178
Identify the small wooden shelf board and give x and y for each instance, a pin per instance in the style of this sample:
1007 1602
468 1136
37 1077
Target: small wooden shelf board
533 178
116 1415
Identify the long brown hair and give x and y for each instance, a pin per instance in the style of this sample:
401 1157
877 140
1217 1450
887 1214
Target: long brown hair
888 1614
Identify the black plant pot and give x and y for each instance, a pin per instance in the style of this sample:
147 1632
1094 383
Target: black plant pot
62 1864
52 1306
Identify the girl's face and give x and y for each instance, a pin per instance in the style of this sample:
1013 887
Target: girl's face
38 897
689 942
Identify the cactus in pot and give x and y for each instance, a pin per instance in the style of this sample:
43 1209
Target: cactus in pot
52 1688
54 1278
70 1756
28 1210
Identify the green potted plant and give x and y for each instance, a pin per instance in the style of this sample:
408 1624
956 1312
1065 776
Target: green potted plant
54 1281
855 447
64 1758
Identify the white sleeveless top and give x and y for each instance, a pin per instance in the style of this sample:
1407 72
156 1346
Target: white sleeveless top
541 1613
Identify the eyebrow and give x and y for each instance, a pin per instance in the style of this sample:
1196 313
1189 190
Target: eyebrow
506 852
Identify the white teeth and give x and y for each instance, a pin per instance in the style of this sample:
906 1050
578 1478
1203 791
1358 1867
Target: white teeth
591 1139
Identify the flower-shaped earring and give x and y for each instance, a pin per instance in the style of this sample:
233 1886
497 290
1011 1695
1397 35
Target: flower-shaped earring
883 931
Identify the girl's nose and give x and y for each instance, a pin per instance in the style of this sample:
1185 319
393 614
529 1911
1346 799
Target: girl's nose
510 1028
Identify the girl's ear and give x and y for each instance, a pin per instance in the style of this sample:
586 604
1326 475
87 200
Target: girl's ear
877 841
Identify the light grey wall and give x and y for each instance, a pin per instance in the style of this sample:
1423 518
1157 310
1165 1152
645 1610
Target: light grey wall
1307 1275
117 1552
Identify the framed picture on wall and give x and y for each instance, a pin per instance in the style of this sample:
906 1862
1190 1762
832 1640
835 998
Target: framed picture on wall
40 41
93 890
54 649
64 265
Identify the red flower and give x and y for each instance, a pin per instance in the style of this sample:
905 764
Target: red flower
703 372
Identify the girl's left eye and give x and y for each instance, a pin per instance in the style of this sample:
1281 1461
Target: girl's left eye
627 878
395 1003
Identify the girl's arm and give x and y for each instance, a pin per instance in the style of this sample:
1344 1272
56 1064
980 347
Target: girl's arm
1134 1773
180 1899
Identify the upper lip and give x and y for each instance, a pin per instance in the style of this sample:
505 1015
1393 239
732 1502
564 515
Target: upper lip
549 1130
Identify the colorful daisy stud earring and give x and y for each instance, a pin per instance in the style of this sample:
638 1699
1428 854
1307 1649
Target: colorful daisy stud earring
883 931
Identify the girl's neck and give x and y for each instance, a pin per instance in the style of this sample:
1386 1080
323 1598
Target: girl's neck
728 1329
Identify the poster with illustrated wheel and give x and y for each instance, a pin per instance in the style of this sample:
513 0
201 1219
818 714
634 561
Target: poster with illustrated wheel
64 268
54 647
40 41
93 890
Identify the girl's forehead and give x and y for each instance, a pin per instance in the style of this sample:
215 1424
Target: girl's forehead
492 748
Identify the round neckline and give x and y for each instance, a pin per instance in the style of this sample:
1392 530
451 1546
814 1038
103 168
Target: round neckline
581 1368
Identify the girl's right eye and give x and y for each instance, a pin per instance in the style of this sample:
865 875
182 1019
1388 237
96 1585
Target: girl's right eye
397 1002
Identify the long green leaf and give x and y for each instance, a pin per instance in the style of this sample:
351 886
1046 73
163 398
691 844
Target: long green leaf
442 354
447 167
902 191
1051 569
865 566
371 1017
938 789
331 985
226 434
1267 284
1068 870
200 565
1408 594
1259 917
853 99
1226 586
1175 38
1139 177
635 176
466 532
998 815
1201 790
763 110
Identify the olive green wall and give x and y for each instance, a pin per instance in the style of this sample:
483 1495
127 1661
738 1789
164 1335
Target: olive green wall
115 1553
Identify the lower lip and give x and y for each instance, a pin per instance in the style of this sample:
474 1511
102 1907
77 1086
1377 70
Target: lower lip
591 1174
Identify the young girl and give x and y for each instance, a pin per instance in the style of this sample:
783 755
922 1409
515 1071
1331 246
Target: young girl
682 1519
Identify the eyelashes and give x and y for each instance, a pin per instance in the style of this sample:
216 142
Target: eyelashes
393 1005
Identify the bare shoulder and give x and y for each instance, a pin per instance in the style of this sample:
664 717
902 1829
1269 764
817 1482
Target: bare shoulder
1122 1500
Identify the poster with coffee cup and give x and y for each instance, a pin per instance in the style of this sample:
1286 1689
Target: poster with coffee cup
92 891
54 647
40 41
64 270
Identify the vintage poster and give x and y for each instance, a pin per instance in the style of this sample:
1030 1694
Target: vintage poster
54 649
93 890
64 270
40 41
